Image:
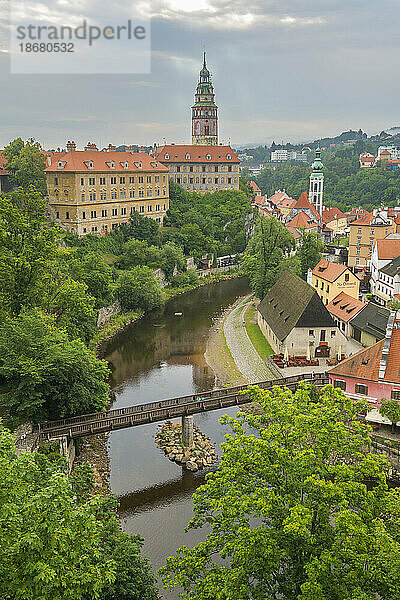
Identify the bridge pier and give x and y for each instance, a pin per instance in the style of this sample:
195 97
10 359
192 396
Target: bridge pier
187 431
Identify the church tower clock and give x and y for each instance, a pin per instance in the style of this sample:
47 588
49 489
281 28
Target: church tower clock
205 111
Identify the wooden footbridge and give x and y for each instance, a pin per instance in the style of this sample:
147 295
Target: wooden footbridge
140 414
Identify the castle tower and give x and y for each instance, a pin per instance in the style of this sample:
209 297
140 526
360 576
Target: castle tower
205 111
317 182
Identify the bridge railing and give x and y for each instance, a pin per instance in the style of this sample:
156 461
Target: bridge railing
182 404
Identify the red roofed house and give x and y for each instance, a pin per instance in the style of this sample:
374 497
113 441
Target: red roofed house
372 373
91 191
343 308
334 219
367 160
329 279
304 205
364 232
4 174
201 168
255 189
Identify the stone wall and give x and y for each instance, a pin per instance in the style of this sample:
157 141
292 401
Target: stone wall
160 277
107 312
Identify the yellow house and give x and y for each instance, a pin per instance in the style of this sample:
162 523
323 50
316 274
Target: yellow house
364 233
330 279
334 219
93 191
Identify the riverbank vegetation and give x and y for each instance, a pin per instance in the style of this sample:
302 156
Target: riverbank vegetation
272 249
58 540
299 511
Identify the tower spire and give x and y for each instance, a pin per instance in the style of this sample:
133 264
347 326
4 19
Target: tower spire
204 110
204 60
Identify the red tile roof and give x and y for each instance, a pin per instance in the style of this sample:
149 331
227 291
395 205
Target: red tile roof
255 188
302 220
364 220
277 197
332 213
286 203
259 200
365 364
388 249
328 270
303 202
80 160
197 154
344 307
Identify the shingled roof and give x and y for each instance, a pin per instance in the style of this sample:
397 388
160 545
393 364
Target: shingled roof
290 303
372 319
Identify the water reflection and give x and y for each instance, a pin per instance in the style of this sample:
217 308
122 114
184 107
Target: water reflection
162 356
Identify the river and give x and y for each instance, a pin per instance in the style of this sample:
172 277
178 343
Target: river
162 356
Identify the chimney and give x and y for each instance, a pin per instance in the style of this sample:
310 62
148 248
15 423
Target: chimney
90 146
71 146
111 148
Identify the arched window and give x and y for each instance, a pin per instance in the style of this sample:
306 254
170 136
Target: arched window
208 157
166 156
187 156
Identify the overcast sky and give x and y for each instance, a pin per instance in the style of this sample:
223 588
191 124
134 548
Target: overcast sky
282 69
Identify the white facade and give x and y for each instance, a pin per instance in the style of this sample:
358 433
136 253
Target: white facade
386 287
394 151
279 155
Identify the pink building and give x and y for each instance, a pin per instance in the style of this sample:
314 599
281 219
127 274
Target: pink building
372 373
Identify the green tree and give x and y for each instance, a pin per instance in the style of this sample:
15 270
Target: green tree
91 270
309 251
266 253
59 544
28 245
141 228
44 374
391 410
138 289
289 514
394 304
26 163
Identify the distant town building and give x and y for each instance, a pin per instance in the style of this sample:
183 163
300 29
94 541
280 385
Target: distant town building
284 155
329 279
364 232
205 111
91 191
373 373
367 160
201 168
317 183
253 168
388 152
255 189
304 205
387 286
293 317
334 219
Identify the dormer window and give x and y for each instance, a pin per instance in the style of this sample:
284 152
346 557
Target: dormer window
61 164
187 156
138 165
228 157
111 164
208 157
166 156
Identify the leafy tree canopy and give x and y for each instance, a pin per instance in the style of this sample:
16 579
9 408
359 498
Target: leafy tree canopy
309 251
26 163
138 289
59 543
289 514
45 375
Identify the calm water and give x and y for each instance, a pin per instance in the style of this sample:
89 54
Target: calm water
159 357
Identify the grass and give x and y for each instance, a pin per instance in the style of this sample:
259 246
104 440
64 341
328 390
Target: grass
341 241
256 337
116 323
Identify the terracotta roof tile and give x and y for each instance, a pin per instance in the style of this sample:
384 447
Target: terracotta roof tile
79 160
344 307
3 161
388 249
328 270
302 220
178 152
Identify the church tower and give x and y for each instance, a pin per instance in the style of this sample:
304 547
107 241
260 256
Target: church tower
317 182
205 111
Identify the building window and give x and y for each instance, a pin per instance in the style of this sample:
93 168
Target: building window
333 333
92 180
102 181
67 215
361 389
131 180
323 335
82 181
122 194
141 179
103 196
149 208
311 332
83 197
55 180
123 211
396 395
357 261
57 215
93 214
84 215
92 197
113 180
346 277
141 209
103 213
131 193
122 179
338 383
359 230
94 229
114 212
157 207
